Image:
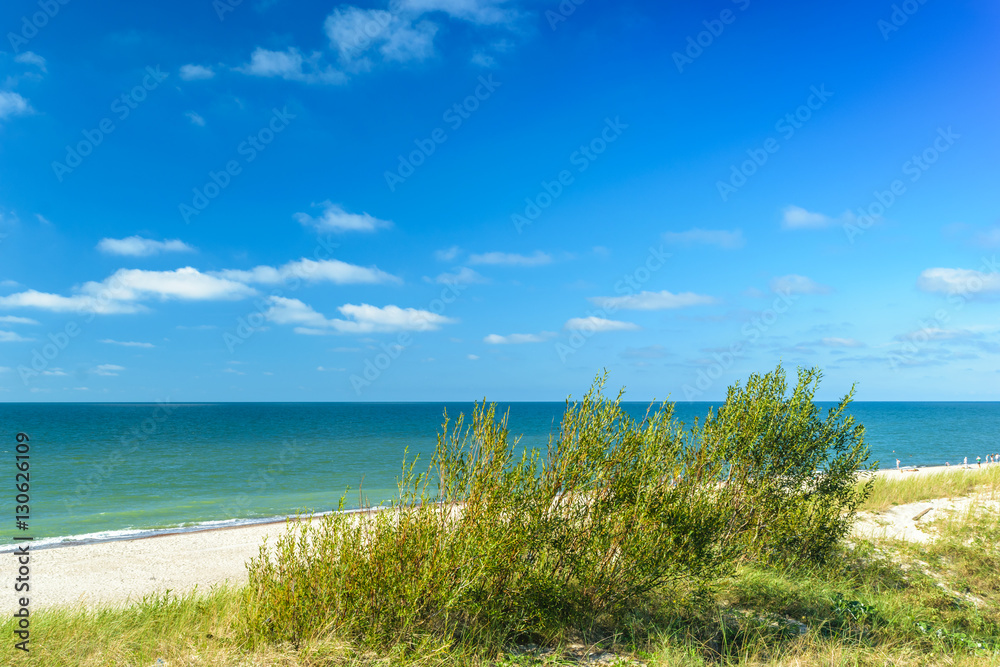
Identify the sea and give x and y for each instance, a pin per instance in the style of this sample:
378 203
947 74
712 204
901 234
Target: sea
107 471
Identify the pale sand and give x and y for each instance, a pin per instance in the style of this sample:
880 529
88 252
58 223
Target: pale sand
119 572
126 570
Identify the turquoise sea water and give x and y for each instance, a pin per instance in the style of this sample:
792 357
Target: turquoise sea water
102 471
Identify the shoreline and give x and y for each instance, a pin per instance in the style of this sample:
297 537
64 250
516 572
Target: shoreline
122 571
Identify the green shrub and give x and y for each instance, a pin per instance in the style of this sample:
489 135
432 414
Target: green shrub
790 477
495 542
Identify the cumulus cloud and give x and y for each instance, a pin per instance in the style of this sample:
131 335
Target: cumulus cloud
840 342
196 72
396 36
291 65
13 319
795 284
722 238
122 291
652 300
511 259
959 281
125 343
12 104
463 275
517 339
989 238
447 254
796 217
137 246
335 219
31 58
311 271
474 11
12 337
363 318
596 324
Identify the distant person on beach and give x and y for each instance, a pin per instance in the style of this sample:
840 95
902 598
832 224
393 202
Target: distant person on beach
965 462
897 465
979 462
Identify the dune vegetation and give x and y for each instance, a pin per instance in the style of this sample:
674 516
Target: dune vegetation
627 541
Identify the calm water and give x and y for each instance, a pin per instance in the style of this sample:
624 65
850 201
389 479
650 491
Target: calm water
112 470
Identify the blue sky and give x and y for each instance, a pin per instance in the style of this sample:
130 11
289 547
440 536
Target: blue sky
451 199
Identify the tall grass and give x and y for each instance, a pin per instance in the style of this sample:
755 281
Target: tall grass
889 490
493 543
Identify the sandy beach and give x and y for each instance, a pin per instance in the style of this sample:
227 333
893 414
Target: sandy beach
124 571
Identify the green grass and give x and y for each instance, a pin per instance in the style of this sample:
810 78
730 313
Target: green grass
902 489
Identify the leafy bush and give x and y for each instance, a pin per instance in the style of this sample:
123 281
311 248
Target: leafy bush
790 477
494 541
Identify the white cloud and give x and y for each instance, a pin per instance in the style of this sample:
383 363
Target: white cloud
595 324
472 357
31 58
724 239
462 276
511 259
196 72
5 369
13 319
42 219
517 339
311 271
796 217
652 300
795 284
125 343
841 342
292 66
12 337
483 59
474 11
958 281
322 369
120 292
137 246
195 118
108 369
448 254
361 318
335 219
12 104
353 32
989 238
57 303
